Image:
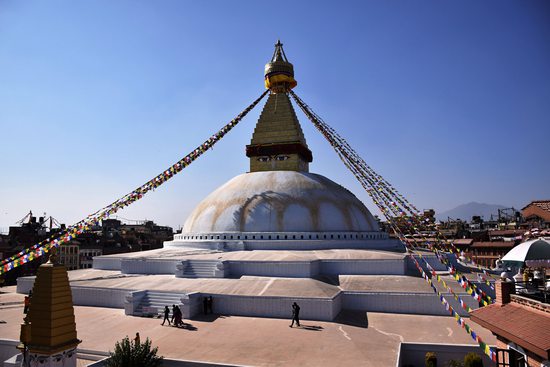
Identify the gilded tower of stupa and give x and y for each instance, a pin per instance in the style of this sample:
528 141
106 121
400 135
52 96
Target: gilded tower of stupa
278 143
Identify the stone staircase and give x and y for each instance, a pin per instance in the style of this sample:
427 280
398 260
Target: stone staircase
200 269
152 303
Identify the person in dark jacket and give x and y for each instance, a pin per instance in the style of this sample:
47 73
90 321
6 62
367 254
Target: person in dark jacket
295 314
173 313
178 321
166 316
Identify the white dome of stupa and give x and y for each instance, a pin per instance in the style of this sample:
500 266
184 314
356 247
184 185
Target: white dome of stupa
280 201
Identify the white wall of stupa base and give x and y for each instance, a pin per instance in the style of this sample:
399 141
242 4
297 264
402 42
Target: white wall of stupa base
101 290
236 241
312 308
269 268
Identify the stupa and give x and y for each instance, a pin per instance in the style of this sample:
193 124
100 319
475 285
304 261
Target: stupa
275 235
279 205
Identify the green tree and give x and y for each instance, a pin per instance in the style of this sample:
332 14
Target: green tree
129 354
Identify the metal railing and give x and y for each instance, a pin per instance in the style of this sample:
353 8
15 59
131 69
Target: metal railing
536 290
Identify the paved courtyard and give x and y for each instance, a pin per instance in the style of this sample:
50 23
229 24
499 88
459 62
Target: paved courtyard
257 341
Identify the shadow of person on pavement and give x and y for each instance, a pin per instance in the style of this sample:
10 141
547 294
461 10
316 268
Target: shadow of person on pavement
208 318
310 327
188 326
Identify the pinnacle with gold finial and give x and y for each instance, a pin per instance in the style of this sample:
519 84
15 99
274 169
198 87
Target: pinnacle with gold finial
278 142
279 73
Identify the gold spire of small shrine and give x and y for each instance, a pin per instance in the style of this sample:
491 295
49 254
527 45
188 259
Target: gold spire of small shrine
50 327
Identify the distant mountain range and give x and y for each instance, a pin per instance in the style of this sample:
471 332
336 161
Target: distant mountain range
467 211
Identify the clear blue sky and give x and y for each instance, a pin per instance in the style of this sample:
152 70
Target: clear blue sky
449 100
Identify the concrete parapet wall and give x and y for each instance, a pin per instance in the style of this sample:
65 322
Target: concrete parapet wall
268 306
287 269
8 349
192 304
132 300
431 259
322 309
147 266
107 263
99 297
405 303
25 284
363 267
292 269
84 296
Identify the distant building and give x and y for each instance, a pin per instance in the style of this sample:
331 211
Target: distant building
454 229
68 255
511 235
5 247
485 253
86 257
77 255
111 237
537 213
463 244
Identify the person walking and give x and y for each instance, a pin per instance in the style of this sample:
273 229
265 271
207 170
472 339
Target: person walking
295 314
27 303
178 317
137 340
166 316
173 313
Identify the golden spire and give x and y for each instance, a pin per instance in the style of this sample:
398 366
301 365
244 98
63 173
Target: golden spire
278 143
279 73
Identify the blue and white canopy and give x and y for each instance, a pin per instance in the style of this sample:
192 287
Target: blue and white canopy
536 252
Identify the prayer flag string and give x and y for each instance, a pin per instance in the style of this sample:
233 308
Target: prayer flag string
393 205
375 185
39 249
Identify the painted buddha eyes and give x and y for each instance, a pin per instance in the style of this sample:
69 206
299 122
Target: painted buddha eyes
275 158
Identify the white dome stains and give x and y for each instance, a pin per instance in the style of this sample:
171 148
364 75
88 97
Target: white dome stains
280 201
296 217
332 218
204 219
360 219
257 215
225 219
